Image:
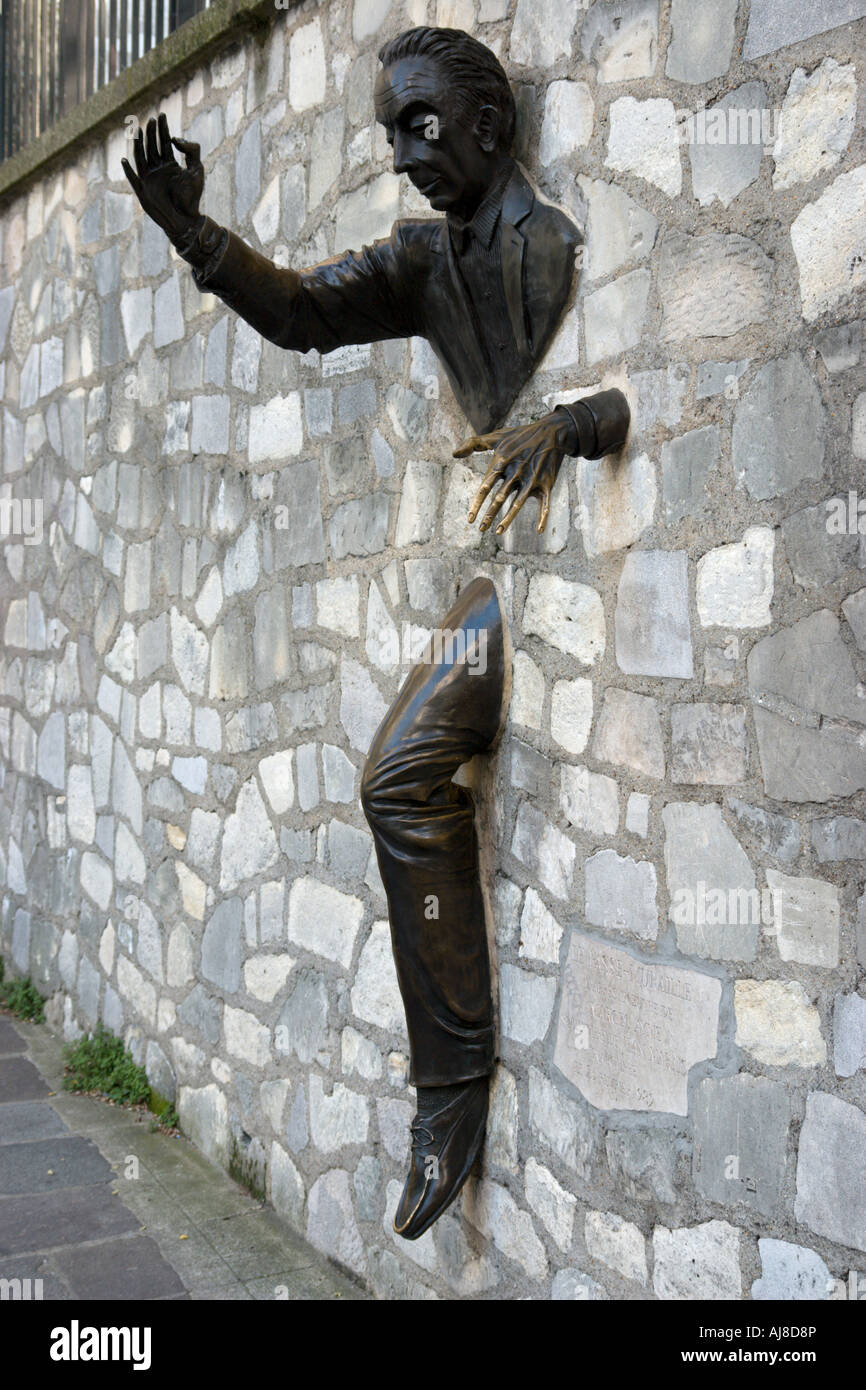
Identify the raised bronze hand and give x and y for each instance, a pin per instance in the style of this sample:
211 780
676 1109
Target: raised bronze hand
168 192
526 457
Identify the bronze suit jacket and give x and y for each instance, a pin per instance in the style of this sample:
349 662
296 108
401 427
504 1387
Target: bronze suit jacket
409 284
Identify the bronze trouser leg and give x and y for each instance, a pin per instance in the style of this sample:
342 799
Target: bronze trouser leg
423 828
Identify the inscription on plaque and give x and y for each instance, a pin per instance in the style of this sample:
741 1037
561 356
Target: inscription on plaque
629 1031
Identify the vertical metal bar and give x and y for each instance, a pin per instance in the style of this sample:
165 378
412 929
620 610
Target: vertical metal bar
148 24
135 29
123 36
89 45
112 39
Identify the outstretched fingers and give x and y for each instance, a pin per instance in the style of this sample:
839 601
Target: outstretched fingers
491 478
497 502
133 178
478 444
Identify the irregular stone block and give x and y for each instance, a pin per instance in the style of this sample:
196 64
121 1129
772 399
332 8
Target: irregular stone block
653 634
703 40
715 903
726 144
589 800
621 39
734 586
617 501
709 744
849 1034
773 24
643 140
831 267
712 286
806 693
831 1196
614 315
806 918
839 837
687 465
741 1128
630 1031
621 894
618 229
697 1262
816 122
629 733
817 555
568 616
790 1273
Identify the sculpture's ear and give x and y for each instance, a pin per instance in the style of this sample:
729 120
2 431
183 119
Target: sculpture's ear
486 128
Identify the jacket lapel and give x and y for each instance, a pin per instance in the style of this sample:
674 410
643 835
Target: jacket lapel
516 205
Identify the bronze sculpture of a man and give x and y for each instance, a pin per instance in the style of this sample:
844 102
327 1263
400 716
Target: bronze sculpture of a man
486 285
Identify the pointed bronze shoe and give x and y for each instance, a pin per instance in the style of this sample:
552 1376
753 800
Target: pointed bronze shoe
444 1148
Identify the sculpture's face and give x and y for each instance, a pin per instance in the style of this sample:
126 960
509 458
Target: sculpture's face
450 164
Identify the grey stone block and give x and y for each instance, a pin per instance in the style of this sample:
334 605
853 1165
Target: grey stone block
775 24
703 39
741 1133
778 436
831 1193
653 634
817 555
687 464
726 144
709 744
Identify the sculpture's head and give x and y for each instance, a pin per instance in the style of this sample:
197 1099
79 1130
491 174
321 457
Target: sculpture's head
448 111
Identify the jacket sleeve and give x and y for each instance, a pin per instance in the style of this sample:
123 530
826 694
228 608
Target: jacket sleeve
360 297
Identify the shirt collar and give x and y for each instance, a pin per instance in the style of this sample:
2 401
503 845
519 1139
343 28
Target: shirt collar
482 225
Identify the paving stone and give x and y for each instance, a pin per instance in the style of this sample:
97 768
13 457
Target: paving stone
703 40
10 1039
712 286
66 1217
125 1270
831 1199
653 635
19 1080
42 1165
26 1120
741 1128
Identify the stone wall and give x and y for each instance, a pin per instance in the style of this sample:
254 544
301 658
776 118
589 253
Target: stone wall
239 546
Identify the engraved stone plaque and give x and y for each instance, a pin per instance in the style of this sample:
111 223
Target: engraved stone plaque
629 1031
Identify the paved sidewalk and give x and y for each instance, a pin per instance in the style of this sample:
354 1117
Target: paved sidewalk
181 1229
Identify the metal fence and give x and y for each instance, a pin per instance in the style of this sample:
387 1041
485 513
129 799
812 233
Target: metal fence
56 53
